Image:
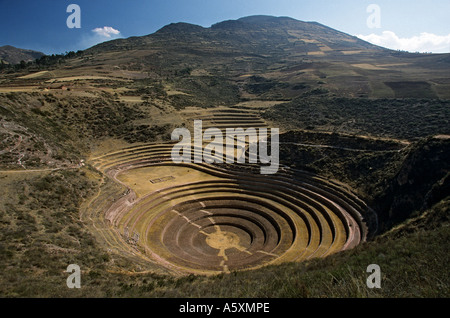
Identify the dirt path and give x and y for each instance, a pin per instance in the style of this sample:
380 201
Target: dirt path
13 147
39 170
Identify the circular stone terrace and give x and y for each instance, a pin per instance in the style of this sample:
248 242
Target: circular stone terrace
201 218
206 218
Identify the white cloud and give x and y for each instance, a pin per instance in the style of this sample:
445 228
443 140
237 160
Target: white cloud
99 35
425 42
106 32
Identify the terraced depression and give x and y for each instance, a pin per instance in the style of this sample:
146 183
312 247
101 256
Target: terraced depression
211 218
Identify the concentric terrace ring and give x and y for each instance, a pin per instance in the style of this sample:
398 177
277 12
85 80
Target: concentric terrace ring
225 220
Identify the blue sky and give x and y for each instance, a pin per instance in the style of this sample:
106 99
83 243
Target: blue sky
422 25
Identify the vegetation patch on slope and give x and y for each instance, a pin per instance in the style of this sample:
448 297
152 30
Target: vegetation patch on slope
392 118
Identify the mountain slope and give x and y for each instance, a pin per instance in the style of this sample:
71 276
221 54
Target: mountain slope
258 58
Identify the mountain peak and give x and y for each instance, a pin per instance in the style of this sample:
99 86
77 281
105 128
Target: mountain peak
255 20
265 18
180 27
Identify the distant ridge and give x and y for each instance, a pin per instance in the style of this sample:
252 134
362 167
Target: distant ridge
13 55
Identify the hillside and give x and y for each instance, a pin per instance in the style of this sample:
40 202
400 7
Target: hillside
88 179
